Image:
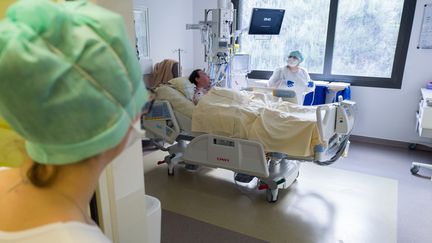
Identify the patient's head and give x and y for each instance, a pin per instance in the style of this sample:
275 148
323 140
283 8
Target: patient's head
199 78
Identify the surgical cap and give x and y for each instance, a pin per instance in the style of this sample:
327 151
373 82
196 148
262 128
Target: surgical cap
70 81
297 54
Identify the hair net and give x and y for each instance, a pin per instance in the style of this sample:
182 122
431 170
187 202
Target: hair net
70 80
297 54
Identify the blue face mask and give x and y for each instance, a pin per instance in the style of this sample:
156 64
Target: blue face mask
292 62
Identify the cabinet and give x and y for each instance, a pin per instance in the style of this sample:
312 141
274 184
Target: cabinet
424 115
424 124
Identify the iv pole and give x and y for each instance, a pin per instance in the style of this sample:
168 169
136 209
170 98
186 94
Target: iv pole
179 51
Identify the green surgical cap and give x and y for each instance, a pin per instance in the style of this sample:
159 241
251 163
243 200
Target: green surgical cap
297 54
70 81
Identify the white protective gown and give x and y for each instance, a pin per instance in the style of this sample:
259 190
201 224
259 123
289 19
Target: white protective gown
283 78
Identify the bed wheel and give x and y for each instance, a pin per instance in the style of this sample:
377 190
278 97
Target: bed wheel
272 195
414 169
412 146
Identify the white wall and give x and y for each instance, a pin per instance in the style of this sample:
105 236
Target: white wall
125 9
167 30
381 113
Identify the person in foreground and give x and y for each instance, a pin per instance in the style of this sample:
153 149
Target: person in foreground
71 86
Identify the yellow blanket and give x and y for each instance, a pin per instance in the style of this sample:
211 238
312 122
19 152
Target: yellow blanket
12 148
279 126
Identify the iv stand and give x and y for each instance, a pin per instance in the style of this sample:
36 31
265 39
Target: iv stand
179 51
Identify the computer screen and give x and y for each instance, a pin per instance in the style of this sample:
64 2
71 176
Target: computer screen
265 21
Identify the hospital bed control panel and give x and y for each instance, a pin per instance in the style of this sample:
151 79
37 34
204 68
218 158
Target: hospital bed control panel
345 118
223 142
161 122
159 111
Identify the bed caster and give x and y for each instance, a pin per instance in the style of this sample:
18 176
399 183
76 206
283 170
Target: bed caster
191 167
412 146
243 178
272 195
414 169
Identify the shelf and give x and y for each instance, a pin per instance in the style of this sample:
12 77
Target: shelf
424 118
426 93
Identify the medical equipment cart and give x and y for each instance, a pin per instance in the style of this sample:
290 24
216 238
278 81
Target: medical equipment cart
424 124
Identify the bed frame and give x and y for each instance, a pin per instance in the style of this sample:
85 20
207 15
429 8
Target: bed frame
274 170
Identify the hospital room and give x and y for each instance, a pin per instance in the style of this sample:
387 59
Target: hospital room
216 121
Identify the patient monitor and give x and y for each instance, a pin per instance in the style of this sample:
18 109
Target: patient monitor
240 68
266 21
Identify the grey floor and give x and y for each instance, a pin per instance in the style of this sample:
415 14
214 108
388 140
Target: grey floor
414 215
414 206
177 228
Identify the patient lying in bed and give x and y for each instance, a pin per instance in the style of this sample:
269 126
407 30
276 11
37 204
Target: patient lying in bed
202 84
278 125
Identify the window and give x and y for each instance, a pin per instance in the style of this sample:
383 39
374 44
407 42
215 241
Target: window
363 42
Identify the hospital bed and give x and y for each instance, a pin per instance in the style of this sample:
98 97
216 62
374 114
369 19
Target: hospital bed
170 122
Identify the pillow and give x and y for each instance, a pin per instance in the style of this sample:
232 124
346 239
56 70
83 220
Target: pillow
177 100
183 85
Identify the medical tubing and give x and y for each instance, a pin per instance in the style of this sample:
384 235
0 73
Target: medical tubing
338 154
160 147
209 33
313 97
228 75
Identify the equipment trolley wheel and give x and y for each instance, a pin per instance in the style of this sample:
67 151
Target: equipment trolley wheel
272 195
414 169
170 172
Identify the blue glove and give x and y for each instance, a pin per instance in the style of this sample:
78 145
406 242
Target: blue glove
290 83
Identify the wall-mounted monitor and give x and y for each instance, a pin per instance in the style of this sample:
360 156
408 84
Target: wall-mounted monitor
265 21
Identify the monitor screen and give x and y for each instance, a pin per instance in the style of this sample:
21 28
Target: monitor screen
240 63
266 21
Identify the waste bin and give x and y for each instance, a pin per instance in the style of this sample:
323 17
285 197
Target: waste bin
318 96
335 89
153 219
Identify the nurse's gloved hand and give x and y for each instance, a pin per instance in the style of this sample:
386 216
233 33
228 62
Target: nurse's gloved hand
290 83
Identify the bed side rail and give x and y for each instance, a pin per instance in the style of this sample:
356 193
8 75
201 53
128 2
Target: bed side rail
243 156
161 122
335 118
345 116
326 122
